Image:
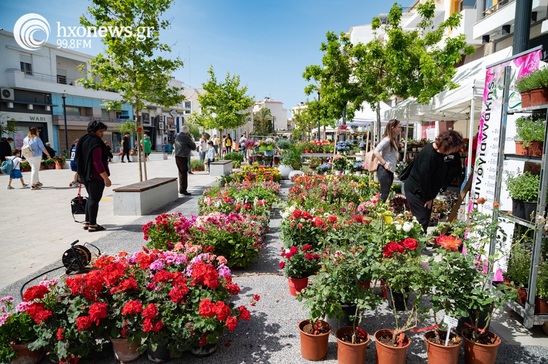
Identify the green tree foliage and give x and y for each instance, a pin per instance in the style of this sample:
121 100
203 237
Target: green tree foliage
223 104
130 64
332 80
418 63
304 122
262 122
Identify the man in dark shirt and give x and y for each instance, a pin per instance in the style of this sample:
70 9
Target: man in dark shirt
5 148
184 144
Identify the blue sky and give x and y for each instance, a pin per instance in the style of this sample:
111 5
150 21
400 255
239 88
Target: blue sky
267 43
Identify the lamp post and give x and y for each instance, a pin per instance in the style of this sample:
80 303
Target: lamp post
64 96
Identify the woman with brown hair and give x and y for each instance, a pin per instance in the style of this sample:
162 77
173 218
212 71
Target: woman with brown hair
35 143
387 154
429 174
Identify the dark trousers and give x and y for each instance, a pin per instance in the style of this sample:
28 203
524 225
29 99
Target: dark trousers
385 179
95 189
126 153
416 204
182 167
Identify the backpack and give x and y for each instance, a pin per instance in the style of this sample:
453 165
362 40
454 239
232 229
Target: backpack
27 151
371 162
7 166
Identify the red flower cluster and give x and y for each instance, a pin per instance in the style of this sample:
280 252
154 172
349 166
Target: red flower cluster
399 247
205 274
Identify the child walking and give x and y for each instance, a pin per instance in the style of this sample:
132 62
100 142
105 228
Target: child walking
210 155
16 172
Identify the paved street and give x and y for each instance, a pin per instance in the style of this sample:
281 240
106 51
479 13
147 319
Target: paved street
36 227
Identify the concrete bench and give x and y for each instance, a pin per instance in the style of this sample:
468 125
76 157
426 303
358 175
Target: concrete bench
143 197
220 168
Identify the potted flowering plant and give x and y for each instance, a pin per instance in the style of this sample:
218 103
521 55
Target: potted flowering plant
234 236
483 237
17 330
449 273
400 267
340 163
299 262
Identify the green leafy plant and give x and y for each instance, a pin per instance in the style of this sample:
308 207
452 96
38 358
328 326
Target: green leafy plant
196 165
235 157
292 157
530 130
523 186
518 265
542 280
344 279
534 80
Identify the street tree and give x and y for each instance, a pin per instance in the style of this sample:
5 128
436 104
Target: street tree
131 64
408 63
304 122
332 81
224 105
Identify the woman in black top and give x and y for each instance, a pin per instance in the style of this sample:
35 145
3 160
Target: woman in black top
429 174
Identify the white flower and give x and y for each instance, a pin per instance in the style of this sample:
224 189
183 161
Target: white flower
407 226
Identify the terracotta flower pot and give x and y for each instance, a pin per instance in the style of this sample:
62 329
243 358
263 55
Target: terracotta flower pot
439 353
519 148
125 351
296 285
541 305
477 353
535 149
539 97
388 354
526 99
26 356
313 347
348 353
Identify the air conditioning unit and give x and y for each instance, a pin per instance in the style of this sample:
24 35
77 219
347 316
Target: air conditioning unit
7 94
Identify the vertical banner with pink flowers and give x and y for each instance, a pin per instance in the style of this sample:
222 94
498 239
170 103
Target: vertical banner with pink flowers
487 153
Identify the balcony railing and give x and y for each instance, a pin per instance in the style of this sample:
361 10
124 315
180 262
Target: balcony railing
496 7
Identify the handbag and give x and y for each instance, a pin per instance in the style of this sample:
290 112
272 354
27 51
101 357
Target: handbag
406 171
27 151
78 204
371 162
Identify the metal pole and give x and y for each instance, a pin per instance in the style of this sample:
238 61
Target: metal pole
522 26
319 126
64 96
